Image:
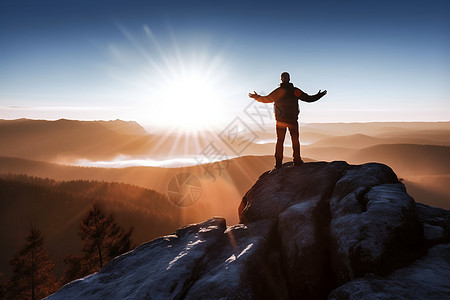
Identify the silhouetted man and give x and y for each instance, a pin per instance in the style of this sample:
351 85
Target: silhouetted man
285 100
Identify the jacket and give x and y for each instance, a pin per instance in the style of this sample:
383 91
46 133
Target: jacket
285 100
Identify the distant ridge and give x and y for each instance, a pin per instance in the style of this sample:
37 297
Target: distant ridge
409 158
359 141
224 187
124 127
369 126
72 139
249 166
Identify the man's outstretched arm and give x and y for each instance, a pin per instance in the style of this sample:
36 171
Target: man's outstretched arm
310 98
272 97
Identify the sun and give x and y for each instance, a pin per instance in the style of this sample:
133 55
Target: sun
178 87
189 100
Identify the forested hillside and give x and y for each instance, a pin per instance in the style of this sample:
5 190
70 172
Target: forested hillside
56 208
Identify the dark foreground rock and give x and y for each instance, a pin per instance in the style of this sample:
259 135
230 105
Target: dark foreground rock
426 278
322 230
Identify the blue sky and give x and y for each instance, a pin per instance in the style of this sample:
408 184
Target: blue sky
379 60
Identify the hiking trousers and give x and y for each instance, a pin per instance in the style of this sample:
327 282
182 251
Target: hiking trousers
281 128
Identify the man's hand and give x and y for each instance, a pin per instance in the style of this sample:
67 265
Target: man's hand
254 95
322 93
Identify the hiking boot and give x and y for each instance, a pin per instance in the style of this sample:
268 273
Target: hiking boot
278 164
298 162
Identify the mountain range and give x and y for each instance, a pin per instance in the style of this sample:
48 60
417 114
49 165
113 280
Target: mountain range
419 153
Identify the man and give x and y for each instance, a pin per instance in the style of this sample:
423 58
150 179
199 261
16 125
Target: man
285 100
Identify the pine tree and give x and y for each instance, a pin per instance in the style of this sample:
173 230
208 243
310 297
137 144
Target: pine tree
102 239
78 266
4 283
32 270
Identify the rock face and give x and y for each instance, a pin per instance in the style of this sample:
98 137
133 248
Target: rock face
321 230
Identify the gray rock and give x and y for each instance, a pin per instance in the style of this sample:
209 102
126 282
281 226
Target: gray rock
306 231
304 249
162 268
379 232
206 261
426 278
237 268
277 190
436 224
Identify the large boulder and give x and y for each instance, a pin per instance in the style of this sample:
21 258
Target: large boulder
373 229
163 268
205 260
310 232
277 190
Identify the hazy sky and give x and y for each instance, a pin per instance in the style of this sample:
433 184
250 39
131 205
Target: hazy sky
195 61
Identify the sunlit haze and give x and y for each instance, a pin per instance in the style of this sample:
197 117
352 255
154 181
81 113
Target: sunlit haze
191 66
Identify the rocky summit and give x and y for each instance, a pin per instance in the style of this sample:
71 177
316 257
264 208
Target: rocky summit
317 231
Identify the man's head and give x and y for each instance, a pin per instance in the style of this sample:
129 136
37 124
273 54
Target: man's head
285 77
